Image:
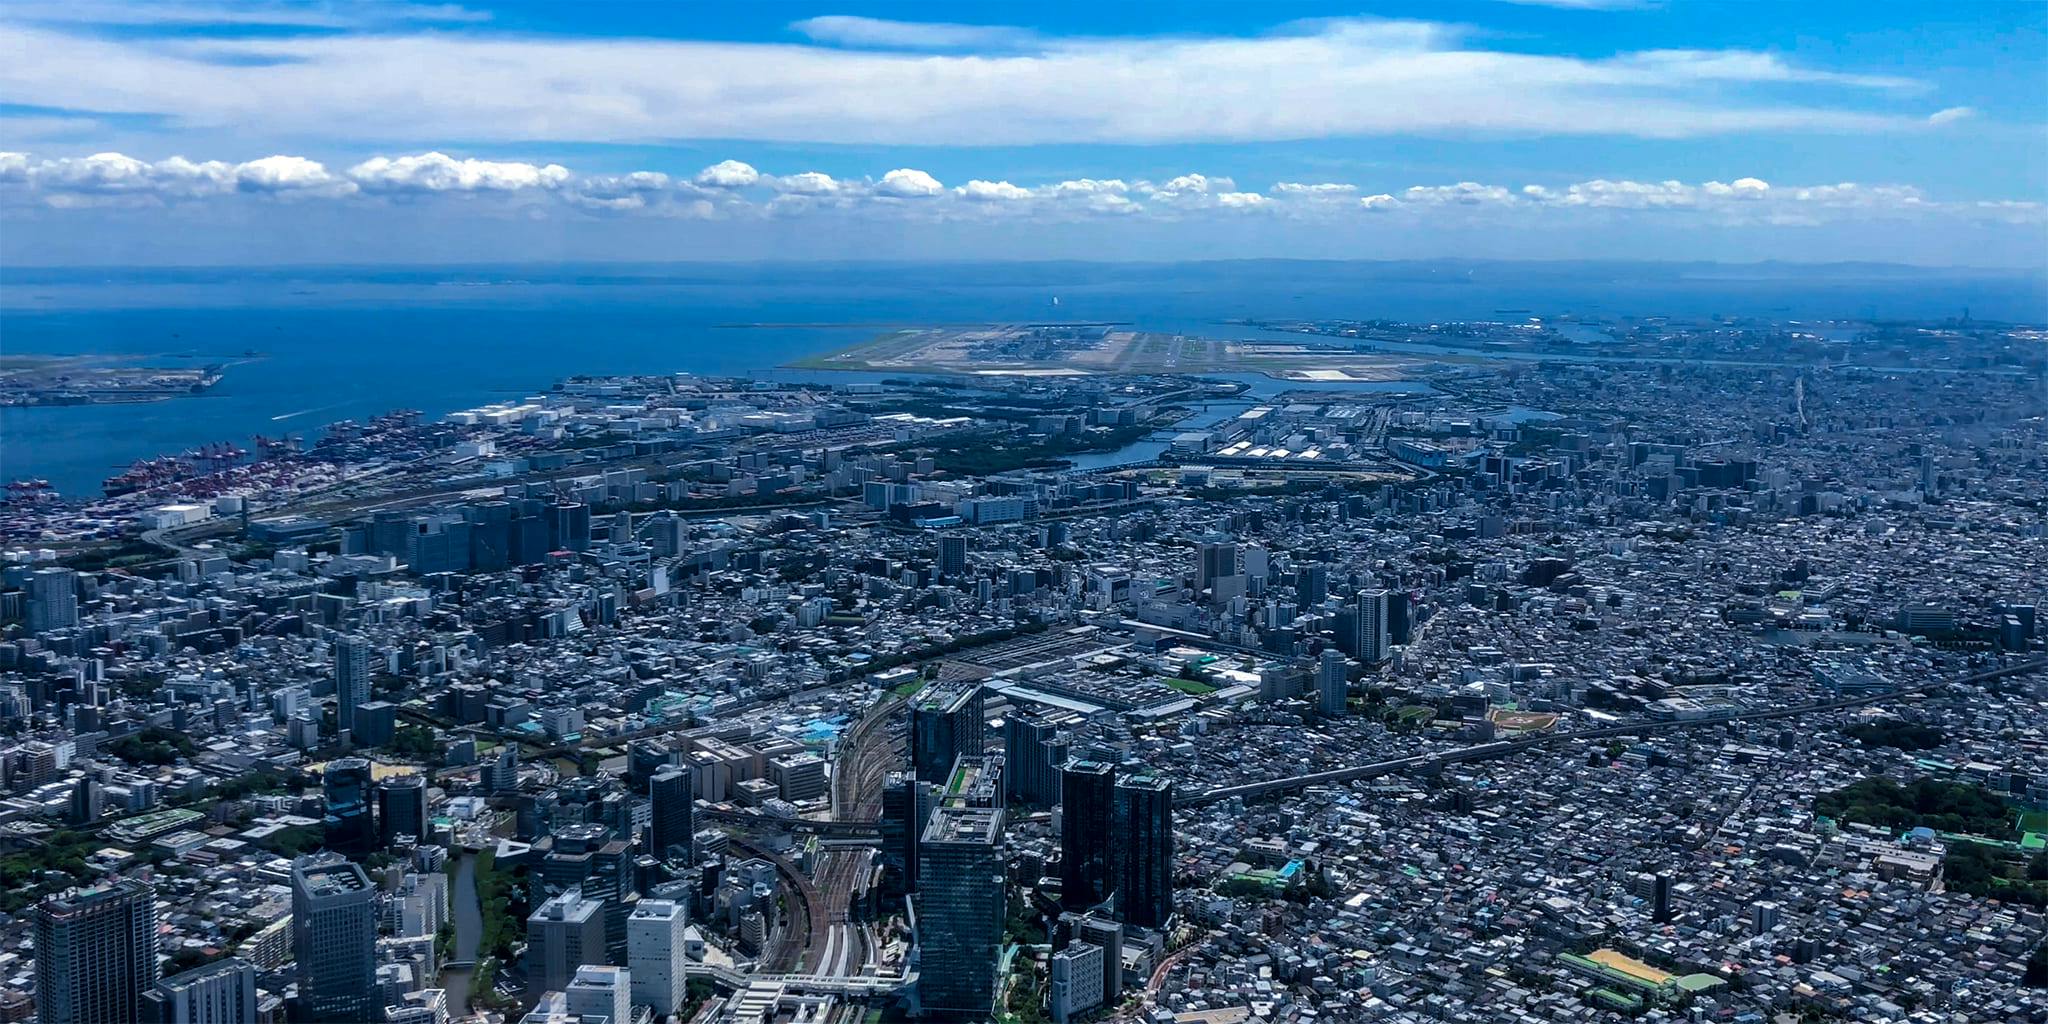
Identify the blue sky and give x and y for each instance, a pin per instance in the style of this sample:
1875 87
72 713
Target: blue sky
202 131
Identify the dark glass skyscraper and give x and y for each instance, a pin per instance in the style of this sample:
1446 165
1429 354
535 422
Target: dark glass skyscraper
946 724
644 757
569 526
490 535
334 939
528 541
1144 850
1032 754
906 806
402 808
1400 618
96 952
671 790
1087 819
1213 561
962 895
952 555
350 828
1311 585
1345 626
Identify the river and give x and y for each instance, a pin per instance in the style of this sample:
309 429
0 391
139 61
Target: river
469 931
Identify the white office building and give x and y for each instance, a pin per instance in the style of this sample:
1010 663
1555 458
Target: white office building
1076 981
601 992
657 951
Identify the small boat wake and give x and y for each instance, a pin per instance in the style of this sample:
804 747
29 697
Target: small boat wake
307 412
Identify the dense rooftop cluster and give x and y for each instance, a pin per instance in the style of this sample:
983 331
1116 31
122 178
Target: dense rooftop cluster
1698 688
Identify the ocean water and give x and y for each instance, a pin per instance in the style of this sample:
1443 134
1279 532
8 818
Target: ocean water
306 347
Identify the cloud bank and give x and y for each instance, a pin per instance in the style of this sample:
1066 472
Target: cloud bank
731 189
870 81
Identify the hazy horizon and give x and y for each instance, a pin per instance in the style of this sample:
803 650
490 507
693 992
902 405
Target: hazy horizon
828 262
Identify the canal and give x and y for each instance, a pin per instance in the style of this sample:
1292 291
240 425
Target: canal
469 931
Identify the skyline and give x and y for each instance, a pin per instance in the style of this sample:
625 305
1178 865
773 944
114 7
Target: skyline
625 511
1629 653
290 133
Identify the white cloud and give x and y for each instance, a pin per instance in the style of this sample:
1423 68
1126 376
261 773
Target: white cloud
1740 188
1851 195
1634 195
880 33
1110 202
1196 184
728 174
621 192
1320 190
100 173
1464 193
809 183
1336 78
119 180
1085 196
105 178
1742 200
1090 187
438 172
288 175
1643 195
1950 115
1687 66
909 183
978 191
2013 211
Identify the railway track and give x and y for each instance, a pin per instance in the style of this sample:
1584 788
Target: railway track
845 947
1488 751
789 945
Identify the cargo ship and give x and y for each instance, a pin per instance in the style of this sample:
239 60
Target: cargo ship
144 474
37 489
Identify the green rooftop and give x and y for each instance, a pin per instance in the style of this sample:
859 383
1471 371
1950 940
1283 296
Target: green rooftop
148 826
